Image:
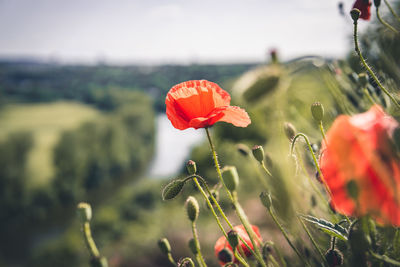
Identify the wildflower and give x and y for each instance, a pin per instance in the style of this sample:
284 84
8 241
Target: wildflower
200 104
222 245
365 7
361 166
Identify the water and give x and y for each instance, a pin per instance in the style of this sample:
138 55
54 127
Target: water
172 147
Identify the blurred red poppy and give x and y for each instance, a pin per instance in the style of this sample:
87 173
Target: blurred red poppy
222 244
361 166
365 7
200 104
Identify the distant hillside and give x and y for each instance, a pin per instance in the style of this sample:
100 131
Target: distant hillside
38 82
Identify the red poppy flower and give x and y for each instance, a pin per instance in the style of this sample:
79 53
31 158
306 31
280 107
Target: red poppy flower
365 7
361 167
222 243
200 104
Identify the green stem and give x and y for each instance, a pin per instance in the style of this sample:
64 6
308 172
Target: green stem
87 236
384 258
210 205
265 168
187 259
321 128
387 25
367 67
272 259
171 259
238 208
197 243
240 259
313 241
391 10
368 95
194 177
312 154
286 236
309 178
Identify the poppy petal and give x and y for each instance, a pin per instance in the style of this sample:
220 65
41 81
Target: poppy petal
235 115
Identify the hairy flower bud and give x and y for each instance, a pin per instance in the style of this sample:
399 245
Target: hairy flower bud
377 3
266 199
334 257
191 167
84 212
317 111
164 246
258 153
290 130
231 177
355 14
172 189
233 238
192 208
225 256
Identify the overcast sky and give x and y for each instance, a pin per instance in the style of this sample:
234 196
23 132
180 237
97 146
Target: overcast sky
176 31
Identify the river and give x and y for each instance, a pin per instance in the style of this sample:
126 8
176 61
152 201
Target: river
172 148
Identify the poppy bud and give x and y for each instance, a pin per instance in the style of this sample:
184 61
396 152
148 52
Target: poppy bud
84 212
233 239
258 153
377 3
243 149
172 189
334 257
266 199
192 246
290 130
192 208
317 111
225 255
363 79
352 189
231 177
164 246
355 14
191 167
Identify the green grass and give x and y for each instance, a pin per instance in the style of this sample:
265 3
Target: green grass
46 121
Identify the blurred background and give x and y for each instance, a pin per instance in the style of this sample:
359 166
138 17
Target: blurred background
82 113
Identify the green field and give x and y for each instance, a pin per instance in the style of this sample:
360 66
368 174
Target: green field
46 121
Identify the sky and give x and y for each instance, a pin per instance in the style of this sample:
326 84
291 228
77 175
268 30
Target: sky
175 31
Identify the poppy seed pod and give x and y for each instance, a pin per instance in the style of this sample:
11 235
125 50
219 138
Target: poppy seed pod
231 177
290 130
317 111
84 212
192 208
364 7
258 153
377 3
172 189
191 167
355 14
164 246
